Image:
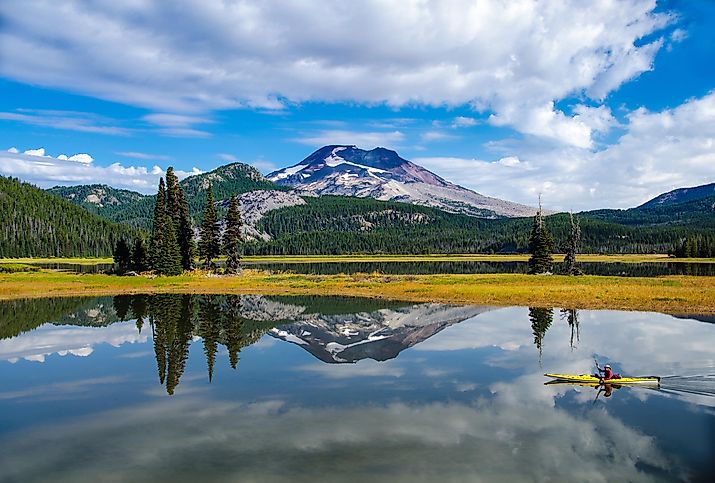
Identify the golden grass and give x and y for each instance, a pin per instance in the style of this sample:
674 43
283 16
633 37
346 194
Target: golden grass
76 260
672 294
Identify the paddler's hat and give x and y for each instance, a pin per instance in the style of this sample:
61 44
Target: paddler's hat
608 366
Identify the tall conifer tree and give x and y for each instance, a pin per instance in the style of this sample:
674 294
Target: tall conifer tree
209 246
185 232
140 259
158 230
540 246
178 208
122 256
172 194
170 257
232 236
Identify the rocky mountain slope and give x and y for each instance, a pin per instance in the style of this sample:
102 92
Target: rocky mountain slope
681 195
383 175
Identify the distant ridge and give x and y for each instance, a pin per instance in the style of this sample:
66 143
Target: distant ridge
681 195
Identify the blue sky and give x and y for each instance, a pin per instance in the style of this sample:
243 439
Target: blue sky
605 105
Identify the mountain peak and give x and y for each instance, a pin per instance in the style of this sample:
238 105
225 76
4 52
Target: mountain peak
382 174
233 170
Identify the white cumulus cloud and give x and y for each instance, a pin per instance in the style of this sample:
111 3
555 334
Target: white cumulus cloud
658 152
39 168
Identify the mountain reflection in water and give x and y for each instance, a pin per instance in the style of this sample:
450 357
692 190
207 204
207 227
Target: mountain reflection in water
315 388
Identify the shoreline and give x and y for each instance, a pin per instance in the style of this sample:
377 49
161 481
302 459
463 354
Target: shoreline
465 257
670 294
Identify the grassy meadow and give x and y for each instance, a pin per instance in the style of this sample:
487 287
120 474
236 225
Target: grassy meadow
671 294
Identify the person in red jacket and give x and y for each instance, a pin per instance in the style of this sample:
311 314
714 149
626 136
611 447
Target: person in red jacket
607 373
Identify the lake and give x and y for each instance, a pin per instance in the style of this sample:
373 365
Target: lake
617 269
257 388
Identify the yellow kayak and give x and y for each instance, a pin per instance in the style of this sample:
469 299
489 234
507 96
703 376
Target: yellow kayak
589 379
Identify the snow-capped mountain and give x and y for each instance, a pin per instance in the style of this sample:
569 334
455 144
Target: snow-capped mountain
382 174
379 335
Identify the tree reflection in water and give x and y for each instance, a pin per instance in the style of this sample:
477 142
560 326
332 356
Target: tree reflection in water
175 319
541 319
571 317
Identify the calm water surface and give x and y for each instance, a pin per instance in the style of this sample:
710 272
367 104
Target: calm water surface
617 269
253 388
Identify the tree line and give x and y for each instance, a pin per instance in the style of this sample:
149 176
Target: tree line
699 246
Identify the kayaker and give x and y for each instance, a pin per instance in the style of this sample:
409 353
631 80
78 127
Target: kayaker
607 373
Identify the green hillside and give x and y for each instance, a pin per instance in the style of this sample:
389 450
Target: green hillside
34 223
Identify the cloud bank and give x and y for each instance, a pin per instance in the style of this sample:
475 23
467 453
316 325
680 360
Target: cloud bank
37 167
513 59
657 152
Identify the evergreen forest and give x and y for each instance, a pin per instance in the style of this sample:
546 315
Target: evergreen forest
35 223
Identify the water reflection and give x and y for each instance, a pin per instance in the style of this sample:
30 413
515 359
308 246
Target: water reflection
176 320
571 317
617 269
334 330
541 320
344 389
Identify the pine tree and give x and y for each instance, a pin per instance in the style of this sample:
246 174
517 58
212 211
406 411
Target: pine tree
169 258
178 208
540 246
158 229
209 246
172 194
573 244
232 237
185 233
140 257
122 256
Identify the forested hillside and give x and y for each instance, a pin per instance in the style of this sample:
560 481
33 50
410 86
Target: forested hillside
334 224
98 198
230 179
35 223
